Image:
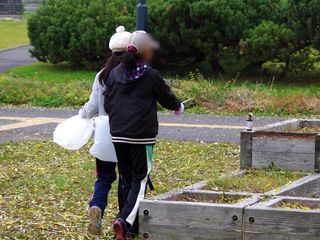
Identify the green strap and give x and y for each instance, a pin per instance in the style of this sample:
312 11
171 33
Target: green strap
149 152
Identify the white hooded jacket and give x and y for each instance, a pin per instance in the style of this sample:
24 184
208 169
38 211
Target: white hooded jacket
95 105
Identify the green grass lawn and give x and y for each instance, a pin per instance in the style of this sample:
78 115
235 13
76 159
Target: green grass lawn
48 85
45 189
13 33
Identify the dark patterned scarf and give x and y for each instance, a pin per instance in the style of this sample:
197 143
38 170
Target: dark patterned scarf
138 72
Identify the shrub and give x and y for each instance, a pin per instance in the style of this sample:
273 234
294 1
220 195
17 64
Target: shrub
209 30
78 31
198 29
269 41
236 33
304 19
287 37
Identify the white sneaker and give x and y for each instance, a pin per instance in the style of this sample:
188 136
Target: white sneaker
95 227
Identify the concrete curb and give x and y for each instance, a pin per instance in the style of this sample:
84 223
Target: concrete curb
13 17
13 48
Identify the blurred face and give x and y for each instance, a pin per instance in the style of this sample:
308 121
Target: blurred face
148 55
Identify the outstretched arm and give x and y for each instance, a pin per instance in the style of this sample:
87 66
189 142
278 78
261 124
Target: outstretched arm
164 94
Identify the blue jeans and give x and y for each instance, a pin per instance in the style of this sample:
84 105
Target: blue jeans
106 175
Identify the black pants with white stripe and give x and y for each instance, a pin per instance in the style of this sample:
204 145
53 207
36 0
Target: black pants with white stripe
134 163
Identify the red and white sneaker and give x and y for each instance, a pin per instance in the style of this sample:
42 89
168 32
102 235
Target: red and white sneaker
120 229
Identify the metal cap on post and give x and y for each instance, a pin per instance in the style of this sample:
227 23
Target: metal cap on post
142 16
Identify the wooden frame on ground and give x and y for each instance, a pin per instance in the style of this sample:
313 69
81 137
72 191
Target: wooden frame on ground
162 217
280 145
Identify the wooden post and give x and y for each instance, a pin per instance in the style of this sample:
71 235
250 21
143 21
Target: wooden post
317 155
246 149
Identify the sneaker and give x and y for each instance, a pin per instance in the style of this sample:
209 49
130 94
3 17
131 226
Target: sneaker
120 229
95 227
130 236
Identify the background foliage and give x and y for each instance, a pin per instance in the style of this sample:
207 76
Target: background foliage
218 32
77 31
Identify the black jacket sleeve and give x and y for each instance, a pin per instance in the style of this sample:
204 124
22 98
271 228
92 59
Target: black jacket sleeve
163 93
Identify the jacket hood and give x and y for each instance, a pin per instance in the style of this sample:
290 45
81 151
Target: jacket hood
127 85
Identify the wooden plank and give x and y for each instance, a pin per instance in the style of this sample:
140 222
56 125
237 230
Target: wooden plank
292 185
285 135
245 149
282 126
287 161
277 236
283 145
214 194
311 202
317 154
306 187
213 218
155 232
291 223
310 123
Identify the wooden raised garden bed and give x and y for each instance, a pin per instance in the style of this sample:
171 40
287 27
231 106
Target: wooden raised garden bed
249 204
291 145
193 213
205 211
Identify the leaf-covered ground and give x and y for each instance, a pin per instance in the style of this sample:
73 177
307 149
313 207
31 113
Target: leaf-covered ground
44 190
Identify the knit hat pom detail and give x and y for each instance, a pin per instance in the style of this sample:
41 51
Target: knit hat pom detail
120 29
120 40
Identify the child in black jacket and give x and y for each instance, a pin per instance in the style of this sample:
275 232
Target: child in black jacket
133 90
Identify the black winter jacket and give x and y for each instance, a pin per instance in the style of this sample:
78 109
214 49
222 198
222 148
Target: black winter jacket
132 105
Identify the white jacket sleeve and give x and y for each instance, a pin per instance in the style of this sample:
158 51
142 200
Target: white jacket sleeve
91 108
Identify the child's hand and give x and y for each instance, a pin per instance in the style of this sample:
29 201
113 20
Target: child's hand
180 111
81 114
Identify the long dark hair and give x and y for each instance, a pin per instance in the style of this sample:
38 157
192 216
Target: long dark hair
130 61
114 60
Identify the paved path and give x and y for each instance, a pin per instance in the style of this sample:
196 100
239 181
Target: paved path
38 124
31 6
15 57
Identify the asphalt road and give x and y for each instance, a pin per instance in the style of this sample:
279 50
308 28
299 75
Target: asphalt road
38 124
15 57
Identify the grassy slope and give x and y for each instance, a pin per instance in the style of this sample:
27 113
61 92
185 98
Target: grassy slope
45 190
13 33
61 86
46 85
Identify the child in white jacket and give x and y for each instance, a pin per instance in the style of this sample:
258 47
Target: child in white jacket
105 171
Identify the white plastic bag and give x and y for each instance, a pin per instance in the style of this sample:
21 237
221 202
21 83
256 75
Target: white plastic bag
73 133
103 148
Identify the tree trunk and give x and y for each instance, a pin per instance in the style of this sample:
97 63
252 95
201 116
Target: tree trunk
216 66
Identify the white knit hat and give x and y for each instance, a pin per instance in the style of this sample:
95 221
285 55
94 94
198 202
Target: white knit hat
141 40
120 40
